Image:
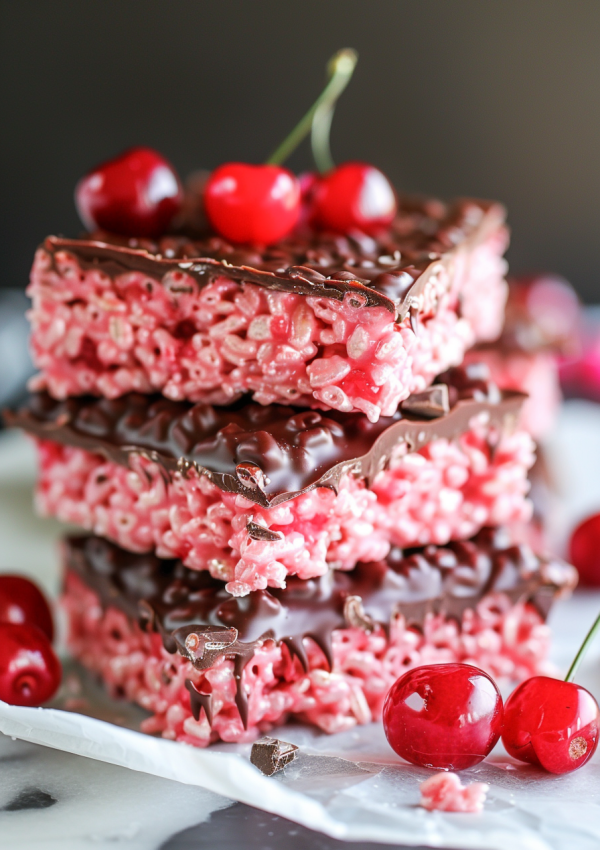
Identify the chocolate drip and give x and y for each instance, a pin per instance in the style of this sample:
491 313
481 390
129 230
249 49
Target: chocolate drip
199 701
390 271
295 646
241 699
267 454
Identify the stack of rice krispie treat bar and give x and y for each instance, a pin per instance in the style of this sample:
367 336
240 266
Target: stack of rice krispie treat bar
293 488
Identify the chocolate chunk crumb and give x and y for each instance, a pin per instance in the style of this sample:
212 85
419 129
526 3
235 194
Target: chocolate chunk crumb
270 755
431 403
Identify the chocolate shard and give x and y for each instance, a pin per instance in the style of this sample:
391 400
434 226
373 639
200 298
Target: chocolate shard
355 616
203 645
259 532
430 404
270 755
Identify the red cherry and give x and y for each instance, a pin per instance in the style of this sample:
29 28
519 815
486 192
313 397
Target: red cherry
21 601
354 196
252 203
445 716
584 551
136 194
552 724
30 672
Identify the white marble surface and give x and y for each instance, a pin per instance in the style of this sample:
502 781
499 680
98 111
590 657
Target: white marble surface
51 799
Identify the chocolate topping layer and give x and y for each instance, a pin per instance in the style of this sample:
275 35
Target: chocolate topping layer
267 454
389 271
444 579
197 618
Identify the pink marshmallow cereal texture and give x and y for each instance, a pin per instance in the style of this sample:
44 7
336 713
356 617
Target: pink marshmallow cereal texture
448 490
444 792
109 336
503 639
534 373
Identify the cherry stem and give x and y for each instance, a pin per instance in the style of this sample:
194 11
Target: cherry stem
340 69
582 650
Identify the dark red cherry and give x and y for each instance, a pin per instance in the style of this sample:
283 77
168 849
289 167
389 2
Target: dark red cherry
354 196
30 672
445 716
257 204
584 551
552 724
21 601
136 194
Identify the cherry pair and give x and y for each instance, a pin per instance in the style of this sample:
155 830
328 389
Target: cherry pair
451 716
30 672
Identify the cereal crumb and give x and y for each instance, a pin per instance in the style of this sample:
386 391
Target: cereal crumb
444 792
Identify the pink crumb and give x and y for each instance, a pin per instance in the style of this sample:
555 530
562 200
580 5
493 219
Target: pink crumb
444 792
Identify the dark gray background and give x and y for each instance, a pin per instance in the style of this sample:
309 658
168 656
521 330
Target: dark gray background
497 98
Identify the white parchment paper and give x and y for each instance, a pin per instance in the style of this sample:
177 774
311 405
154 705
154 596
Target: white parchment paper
349 786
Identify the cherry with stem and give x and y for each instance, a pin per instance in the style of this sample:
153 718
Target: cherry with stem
551 723
353 196
261 204
340 69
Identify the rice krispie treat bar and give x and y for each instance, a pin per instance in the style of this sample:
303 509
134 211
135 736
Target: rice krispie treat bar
208 666
255 494
353 323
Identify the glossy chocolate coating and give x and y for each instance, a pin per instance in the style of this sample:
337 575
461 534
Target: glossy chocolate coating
267 454
197 618
389 271
176 600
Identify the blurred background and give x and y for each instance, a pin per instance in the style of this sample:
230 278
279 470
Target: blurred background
494 99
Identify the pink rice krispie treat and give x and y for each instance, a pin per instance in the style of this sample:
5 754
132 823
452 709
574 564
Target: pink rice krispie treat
208 666
255 494
543 325
343 322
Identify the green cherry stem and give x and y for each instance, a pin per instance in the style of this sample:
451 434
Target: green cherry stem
340 69
319 137
582 650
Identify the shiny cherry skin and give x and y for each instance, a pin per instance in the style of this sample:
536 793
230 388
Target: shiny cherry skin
584 551
353 196
136 194
255 204
30 672
552 724
446 716
21 601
